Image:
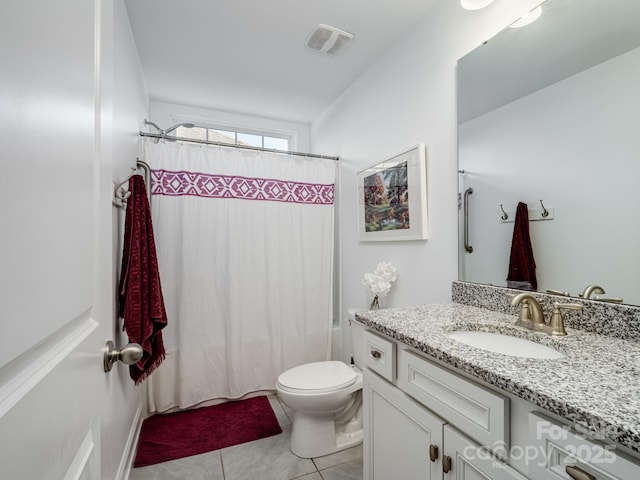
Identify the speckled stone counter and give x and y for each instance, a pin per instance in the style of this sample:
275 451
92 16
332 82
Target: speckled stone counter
612 319
596 385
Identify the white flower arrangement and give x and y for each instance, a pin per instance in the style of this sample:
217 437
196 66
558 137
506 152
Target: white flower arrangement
379 282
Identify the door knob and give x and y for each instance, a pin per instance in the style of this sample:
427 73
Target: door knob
129 354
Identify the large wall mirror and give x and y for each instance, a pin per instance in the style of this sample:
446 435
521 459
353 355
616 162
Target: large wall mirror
551 111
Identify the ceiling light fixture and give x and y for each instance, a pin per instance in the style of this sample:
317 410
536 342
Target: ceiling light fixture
527 19
328 39
475 4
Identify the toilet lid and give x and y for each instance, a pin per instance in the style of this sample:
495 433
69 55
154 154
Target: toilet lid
327 376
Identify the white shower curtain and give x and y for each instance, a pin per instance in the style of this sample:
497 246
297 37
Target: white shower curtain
245 251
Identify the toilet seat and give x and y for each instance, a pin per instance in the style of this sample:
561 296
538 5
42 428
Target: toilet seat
321 377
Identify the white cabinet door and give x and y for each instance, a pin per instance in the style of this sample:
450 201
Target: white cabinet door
400 434
55 243
465 460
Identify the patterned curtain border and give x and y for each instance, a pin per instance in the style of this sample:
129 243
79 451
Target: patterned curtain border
170 183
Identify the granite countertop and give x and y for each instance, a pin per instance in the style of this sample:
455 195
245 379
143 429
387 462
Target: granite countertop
595 386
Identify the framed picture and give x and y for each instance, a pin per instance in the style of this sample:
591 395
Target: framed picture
392 198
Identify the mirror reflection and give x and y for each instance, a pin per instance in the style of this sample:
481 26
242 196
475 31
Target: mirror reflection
551 112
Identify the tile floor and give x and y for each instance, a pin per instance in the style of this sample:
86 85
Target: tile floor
265 459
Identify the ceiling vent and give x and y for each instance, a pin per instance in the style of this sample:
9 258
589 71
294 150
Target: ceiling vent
327 39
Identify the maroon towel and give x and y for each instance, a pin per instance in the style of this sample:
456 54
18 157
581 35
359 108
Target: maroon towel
141 302
522 266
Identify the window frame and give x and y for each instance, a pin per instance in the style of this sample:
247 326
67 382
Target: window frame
238 129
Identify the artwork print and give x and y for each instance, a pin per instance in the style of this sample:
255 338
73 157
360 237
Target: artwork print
392 198
386 199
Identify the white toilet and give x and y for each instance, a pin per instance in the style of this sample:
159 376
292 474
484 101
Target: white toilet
326 399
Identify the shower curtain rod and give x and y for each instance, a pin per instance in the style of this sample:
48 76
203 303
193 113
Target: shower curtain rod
248 147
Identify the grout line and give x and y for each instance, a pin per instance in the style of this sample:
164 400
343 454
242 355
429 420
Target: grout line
222 466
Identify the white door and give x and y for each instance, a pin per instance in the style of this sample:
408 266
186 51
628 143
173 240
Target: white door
54 248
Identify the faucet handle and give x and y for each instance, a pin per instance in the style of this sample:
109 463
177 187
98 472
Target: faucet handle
553 291
556 324
608 299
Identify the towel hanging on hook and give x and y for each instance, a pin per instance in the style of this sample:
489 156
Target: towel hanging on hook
522 266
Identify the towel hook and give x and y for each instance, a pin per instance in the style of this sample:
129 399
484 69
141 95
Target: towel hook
504 216
545 212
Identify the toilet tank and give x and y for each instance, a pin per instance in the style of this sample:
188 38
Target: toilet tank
355 330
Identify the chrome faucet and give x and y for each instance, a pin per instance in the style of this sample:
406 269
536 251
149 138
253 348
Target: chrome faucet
589 289
532 317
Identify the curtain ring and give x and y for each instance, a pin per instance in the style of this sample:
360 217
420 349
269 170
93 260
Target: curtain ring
545 212
504 216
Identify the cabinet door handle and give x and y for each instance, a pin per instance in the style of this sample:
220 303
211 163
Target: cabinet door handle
578 474
433 452
446 464
376 354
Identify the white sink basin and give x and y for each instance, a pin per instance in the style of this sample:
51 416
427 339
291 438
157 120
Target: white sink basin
505 344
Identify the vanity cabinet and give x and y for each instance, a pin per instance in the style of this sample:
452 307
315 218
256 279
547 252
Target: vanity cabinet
501 415
409 405
405 440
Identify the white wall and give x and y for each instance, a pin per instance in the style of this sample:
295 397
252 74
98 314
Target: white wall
167 114
124 105
573 144
406 97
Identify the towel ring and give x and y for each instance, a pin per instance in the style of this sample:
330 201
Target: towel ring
504 216
545 212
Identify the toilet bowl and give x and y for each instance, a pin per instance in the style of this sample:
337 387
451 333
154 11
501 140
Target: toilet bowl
326 400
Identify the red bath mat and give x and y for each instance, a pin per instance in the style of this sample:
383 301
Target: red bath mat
170 436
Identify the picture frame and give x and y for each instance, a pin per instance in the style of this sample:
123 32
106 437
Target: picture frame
392 198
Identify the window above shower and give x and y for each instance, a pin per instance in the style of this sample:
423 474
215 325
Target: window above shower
236 136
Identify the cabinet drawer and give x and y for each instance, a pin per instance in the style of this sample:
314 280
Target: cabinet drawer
558 447
380 355
479 412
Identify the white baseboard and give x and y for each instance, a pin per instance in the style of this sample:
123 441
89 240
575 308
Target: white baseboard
128 455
